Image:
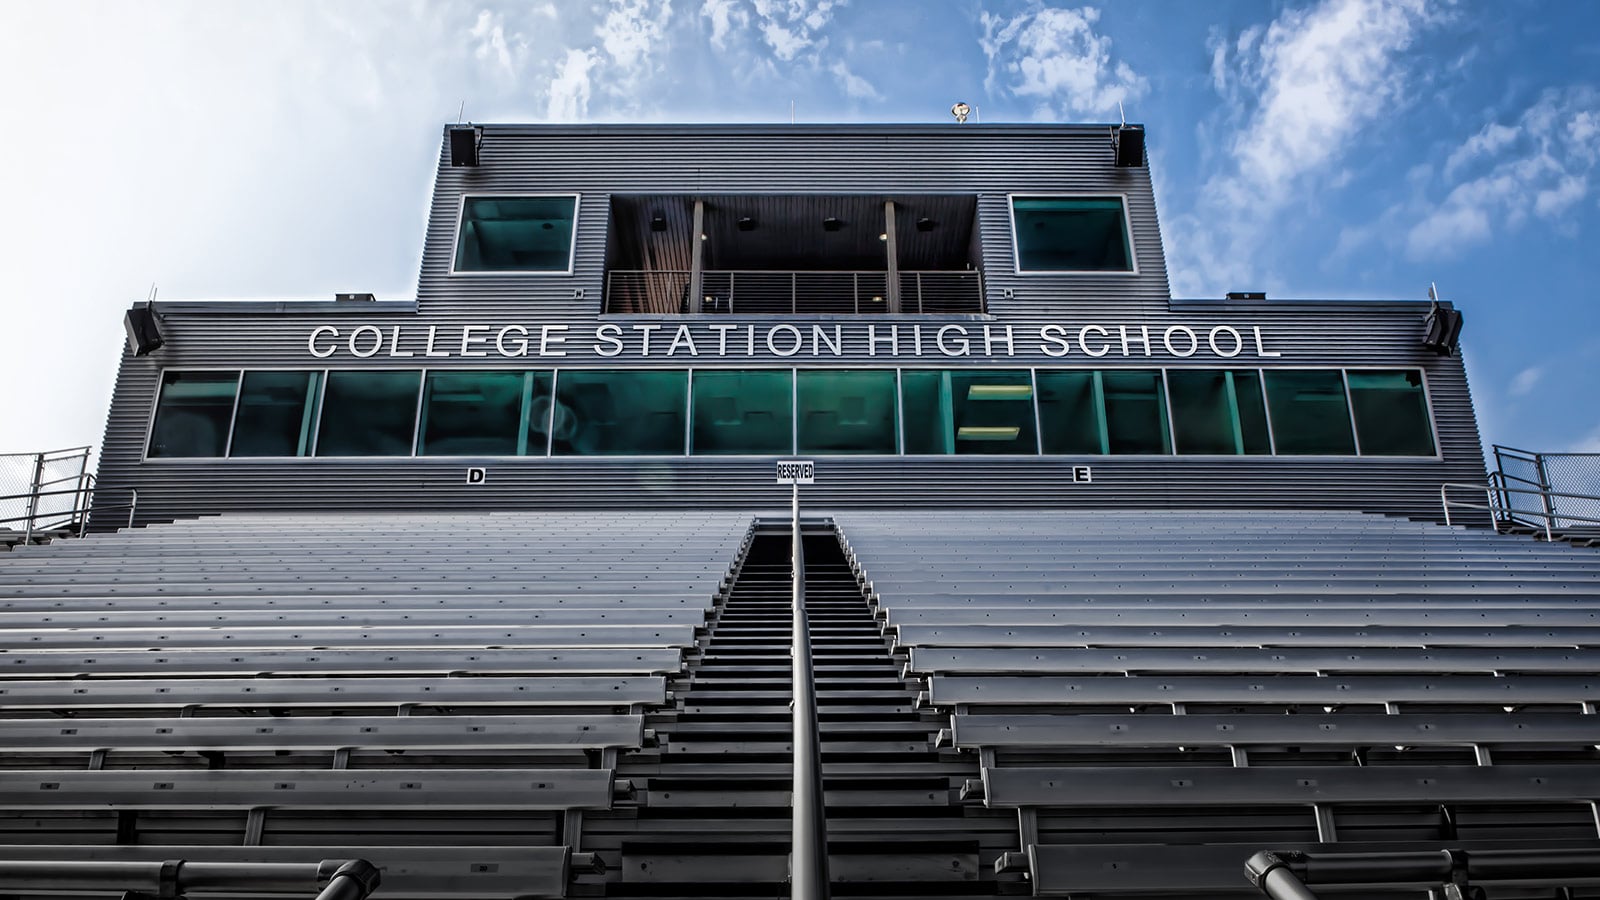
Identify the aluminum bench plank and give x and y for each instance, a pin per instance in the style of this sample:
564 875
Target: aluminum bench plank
499 733
945 690
397 789
332 692
409 873
1241 636
1343 730
591 636
368 661
1222 615
1125 786
247 617
1056 660
1060 870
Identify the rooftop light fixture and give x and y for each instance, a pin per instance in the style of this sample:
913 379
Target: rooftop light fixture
143 335
746 223
883 236
658 222
1127 146
465 142
831 224
988 432
960 111
1000 392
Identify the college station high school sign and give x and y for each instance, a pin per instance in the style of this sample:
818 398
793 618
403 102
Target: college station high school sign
804 340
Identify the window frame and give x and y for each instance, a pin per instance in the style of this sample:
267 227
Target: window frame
461 212
1127 231
899 371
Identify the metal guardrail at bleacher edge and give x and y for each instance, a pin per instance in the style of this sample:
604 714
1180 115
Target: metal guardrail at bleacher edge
1504 515
47 507
1567 485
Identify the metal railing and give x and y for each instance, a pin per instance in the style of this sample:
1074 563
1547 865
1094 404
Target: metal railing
335 879
51 493
33 484
1498 504
808 854
754 292
1567 485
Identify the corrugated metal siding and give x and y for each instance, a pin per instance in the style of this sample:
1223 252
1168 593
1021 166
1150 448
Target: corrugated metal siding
988 161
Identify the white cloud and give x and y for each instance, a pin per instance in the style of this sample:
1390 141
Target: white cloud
570 89
1546 155
1523 383
855 87
725 15
1299 93
1056 57
492 45
1487 142
792 27
633 30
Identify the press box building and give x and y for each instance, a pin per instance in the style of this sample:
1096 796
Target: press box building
1107 590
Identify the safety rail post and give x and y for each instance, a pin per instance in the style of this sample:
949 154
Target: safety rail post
808 855
33 490
1544 485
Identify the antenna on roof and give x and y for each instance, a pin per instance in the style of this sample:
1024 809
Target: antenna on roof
151 297
1122 113
461 113
1433 293
791 112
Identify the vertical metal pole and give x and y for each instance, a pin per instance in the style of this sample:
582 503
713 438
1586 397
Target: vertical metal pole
33 498
1549 503
891 293
808 856
696 255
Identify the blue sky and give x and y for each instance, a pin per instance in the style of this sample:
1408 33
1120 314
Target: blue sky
1312 149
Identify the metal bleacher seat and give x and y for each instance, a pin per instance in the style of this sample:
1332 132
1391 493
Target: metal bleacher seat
1149 690
442 695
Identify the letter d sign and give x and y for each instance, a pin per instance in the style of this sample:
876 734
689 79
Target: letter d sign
477 475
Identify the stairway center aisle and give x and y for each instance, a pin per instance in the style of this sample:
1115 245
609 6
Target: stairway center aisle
718 783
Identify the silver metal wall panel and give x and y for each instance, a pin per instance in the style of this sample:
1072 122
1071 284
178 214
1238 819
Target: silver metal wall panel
989 162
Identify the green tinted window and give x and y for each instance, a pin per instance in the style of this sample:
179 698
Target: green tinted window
192 414
368 414
1071 412
1309 414
485 413
968 412
1218 412
1391 413
1136 412
1071 234
277 412
637 412
516 234
743 412
846 412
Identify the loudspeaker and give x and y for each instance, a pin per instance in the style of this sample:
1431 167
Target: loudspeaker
464 144
143 335
1441 331
1127 146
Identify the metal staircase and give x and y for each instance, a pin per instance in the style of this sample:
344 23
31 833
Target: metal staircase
713 808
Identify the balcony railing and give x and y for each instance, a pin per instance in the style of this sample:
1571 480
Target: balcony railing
751 292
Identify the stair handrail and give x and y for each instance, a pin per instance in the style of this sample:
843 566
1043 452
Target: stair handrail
808 850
